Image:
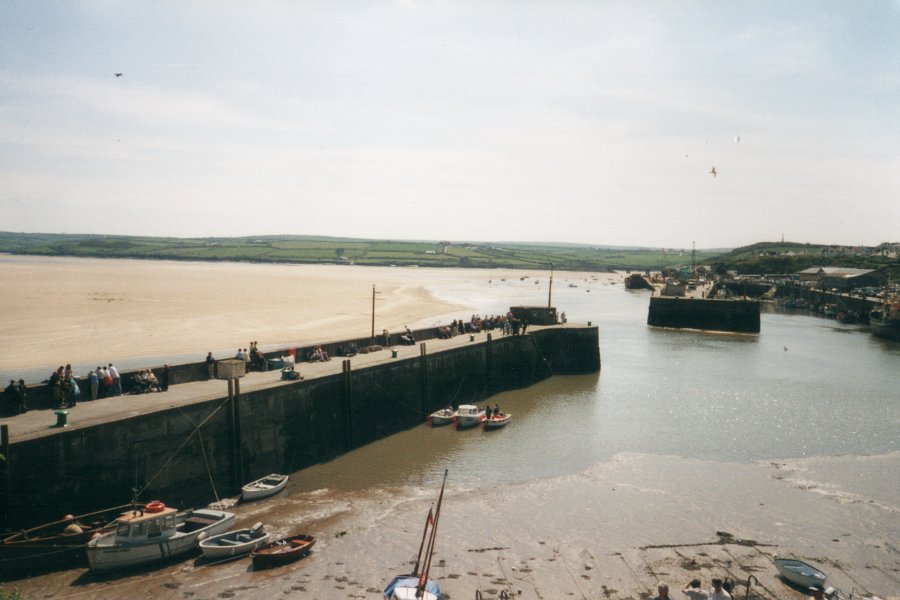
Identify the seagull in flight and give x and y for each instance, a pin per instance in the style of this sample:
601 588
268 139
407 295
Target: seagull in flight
117 74
713 171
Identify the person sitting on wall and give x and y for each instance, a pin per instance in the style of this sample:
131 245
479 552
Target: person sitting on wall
318 355
407 339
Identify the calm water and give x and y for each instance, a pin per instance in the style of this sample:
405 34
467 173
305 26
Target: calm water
806 386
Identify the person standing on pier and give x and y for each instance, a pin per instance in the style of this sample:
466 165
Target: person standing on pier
94 382
22 397
116 380
210 366
164 380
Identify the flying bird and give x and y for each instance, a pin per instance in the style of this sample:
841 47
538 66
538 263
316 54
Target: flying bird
117 74
713 171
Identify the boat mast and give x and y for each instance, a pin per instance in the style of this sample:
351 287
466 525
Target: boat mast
437 515
428 520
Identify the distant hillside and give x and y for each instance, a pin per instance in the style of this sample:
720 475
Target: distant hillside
327 250
786 257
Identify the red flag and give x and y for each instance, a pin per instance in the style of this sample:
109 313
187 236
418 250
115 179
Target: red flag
430 517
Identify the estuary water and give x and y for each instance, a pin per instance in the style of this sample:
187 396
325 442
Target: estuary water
804 387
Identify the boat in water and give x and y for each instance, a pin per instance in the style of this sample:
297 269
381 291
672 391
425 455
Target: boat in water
283 551
157 532
264 487
468 415
233 543
799 573
496 421
444 416
417 585
884 320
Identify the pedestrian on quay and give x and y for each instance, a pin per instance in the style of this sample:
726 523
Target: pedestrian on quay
210 366
717 593
116 380
164 380
694 592
94 381
21 397
662 591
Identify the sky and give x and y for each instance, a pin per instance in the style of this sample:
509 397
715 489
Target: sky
594 122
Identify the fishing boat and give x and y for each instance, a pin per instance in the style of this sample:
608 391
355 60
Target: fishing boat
884 320
468 415
155 533
496 421
441 417
799 573
417 585
283 551
56 544
233 543
264 487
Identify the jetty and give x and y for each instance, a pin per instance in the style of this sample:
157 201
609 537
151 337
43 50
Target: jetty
174 444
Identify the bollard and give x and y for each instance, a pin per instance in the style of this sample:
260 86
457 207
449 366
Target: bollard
393 353
471 337
61 416
589 323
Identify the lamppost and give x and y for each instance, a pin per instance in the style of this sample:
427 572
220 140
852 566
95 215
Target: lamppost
373 311
550 291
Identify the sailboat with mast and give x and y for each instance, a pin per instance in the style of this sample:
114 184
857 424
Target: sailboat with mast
417 585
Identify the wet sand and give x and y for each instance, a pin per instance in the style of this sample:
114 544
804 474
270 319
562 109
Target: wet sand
612 531
86 311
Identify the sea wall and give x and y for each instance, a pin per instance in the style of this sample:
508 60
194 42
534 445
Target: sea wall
741 316
188 455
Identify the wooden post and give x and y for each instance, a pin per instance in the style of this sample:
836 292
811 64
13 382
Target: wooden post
5 487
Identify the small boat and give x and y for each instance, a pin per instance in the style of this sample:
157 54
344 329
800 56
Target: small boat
154 533
417 585
496 421
56 544
468 415
442 417
263 488
283 551
799 573
234 543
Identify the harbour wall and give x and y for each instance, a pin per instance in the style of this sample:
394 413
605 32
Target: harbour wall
187 456
741 316
844 301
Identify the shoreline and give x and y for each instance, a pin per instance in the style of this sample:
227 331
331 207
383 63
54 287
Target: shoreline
610 531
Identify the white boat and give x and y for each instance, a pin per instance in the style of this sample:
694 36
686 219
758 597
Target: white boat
234 543
155 533
442 417
497 421
799 573
263 488
468 415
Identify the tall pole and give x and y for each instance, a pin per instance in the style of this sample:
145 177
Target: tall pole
550 291
373 311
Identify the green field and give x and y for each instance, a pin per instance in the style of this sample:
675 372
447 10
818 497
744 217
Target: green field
761 258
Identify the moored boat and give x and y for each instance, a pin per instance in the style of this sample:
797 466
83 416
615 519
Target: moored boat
799 573
884 320
496 421
234 543
264 487
155 533
417 585
441 417
282 551
57 544
468 415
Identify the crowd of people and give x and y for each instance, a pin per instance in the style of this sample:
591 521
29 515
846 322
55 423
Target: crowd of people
720 590
506 324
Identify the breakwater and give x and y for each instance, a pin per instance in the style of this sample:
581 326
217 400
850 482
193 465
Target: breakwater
741 316
188 455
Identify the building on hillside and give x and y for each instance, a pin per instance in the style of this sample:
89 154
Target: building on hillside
841 278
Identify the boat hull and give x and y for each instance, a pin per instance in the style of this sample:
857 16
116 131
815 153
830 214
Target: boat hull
227 545
263 488
108 552
888 329
283 551
497 422
800 573
405 587
441 417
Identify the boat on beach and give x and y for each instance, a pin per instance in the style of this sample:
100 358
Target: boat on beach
233 543
417 585
799 573
154 533
264 487
468 415
57 543
444 416
282 551
496 421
